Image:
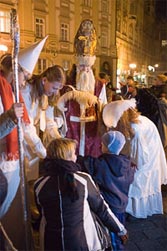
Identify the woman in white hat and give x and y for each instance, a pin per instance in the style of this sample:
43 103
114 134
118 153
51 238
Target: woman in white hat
9 154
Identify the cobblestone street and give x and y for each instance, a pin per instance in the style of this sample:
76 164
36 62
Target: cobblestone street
149 234
144 234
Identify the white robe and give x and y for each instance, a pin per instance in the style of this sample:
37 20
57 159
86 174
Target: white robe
42 120
11 169
145 198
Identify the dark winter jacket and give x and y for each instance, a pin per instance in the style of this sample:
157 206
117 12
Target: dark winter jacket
113 174
64 197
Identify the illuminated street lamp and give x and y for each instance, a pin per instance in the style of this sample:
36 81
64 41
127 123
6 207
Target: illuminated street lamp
132 68
151 68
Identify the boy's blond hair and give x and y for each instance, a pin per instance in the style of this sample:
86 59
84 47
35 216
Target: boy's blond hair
61 148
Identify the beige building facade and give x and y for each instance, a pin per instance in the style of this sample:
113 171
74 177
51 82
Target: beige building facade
124 30
138 45
60 20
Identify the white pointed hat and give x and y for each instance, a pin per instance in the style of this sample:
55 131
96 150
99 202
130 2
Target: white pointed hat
113 111
28 57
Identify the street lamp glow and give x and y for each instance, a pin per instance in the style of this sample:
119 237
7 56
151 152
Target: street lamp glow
132 66
151 68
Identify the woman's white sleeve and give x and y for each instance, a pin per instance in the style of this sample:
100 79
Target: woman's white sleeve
51 125
33 140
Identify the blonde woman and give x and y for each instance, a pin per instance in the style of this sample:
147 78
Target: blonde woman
65 198
159 87
38 95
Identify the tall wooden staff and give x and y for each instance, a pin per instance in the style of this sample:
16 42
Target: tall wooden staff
15 35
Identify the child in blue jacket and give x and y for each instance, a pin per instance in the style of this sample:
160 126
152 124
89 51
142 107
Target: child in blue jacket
113 173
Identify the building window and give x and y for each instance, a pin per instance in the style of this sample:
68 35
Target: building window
66 65
164 43
104 7
40 27
124 27
147 7
118 4
119 22
125 8
5 21
41 65
104 40
130 32
87 3
65 4
64 32
133 8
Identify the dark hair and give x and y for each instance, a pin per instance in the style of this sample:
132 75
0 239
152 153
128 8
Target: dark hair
130 77
102 74
6 63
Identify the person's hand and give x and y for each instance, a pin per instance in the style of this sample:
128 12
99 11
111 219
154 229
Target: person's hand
123 236
18 110
124 239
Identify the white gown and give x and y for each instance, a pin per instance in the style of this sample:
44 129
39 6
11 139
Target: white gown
11 169
44 118
145 198
40 119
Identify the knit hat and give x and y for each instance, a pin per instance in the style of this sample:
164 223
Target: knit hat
114 141
28 57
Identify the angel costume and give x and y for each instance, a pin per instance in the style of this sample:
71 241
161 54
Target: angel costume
146 149
145 197
9 150
9 164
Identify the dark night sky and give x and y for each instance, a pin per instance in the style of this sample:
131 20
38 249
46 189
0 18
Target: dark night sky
161 9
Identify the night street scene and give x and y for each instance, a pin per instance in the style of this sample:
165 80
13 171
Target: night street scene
83 125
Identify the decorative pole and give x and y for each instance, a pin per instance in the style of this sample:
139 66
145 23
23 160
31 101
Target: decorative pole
15 36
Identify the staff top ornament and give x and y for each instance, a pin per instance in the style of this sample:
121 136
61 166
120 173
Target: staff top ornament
85 39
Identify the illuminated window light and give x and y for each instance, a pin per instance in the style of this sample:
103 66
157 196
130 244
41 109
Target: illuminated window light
3 47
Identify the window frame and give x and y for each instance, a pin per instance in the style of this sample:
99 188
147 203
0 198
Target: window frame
40 27
5 21
64 32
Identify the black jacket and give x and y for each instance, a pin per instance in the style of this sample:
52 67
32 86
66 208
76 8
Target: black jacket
67 222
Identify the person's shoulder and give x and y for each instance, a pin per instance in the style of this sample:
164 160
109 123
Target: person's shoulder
120 158
83 174
110 160
83 177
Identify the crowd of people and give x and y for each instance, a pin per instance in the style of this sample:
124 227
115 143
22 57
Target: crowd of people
90 158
